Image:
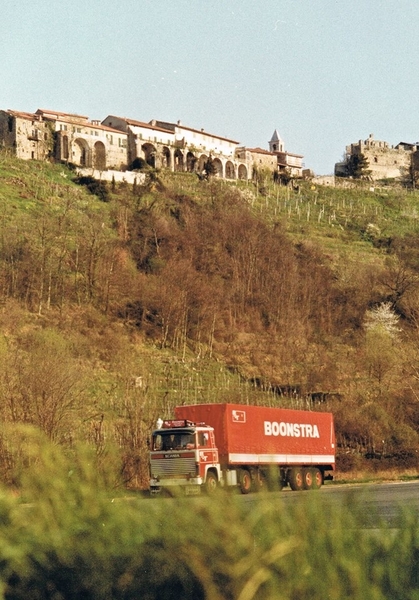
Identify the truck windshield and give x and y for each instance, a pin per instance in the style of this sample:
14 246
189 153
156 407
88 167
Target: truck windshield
173 441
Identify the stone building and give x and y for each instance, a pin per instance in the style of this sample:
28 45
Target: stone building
27 134
263 159
118 143
384 161
179 148
287 162
277 159
64 137
87 143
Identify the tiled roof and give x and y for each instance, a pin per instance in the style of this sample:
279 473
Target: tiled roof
200 131
135 123
59 115
260 151
23 115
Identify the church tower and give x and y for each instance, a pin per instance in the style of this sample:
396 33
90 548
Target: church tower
276 144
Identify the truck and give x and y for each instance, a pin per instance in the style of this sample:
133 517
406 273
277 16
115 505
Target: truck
207 446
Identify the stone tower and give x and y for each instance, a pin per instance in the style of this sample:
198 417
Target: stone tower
276 144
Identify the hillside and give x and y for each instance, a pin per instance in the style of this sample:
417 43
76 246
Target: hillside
119 302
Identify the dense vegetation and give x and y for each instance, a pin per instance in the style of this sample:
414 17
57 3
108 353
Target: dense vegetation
119 302
71 541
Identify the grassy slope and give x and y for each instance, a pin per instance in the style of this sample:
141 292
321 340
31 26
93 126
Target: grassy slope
342 223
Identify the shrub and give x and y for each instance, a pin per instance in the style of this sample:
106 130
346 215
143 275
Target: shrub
73 540
95 187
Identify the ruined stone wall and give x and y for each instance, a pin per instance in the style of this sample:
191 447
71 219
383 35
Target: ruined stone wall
30 138
388 163
384 161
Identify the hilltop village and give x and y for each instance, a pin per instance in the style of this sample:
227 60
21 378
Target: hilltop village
121 144
118 147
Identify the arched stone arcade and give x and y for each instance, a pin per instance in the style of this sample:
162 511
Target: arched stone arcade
242 172
149 153
81 153
190 162
166 158
218 165
230 171
99 156
201 163
178 160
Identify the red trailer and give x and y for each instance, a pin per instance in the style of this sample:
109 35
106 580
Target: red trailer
207 445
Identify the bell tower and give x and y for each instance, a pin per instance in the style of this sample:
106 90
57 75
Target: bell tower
276 144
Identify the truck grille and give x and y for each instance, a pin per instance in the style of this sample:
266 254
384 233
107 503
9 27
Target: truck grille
173 467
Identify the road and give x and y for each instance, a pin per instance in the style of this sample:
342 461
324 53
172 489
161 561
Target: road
381 502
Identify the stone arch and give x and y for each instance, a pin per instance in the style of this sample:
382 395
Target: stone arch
81 153
166 158
230 170
218 167
178 160
190 162
149 154
201 162
99 156
62 147
242 172
65 147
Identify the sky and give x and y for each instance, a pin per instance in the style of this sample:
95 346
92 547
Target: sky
324 73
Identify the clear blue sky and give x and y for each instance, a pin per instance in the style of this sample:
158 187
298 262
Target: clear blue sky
325 73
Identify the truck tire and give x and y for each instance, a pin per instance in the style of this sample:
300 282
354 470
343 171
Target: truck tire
211 483
296 479
308 478
245 481
317 479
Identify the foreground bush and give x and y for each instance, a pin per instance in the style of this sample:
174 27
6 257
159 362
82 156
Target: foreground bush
67 537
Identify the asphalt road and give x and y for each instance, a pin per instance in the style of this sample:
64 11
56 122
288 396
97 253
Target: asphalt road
381 503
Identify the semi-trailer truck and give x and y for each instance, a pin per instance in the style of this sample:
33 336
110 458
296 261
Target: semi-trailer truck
206 446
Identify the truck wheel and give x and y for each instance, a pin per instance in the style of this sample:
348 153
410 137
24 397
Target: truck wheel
317 479
308 478
296 479
245 481
211 483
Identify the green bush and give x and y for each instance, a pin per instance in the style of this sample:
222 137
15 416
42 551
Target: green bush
68 537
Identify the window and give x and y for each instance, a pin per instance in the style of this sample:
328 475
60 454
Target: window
168 441
203 439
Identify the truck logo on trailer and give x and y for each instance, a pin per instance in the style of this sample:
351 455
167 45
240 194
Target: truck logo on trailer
304 430
239 416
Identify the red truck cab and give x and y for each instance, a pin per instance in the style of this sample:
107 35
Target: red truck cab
183 454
